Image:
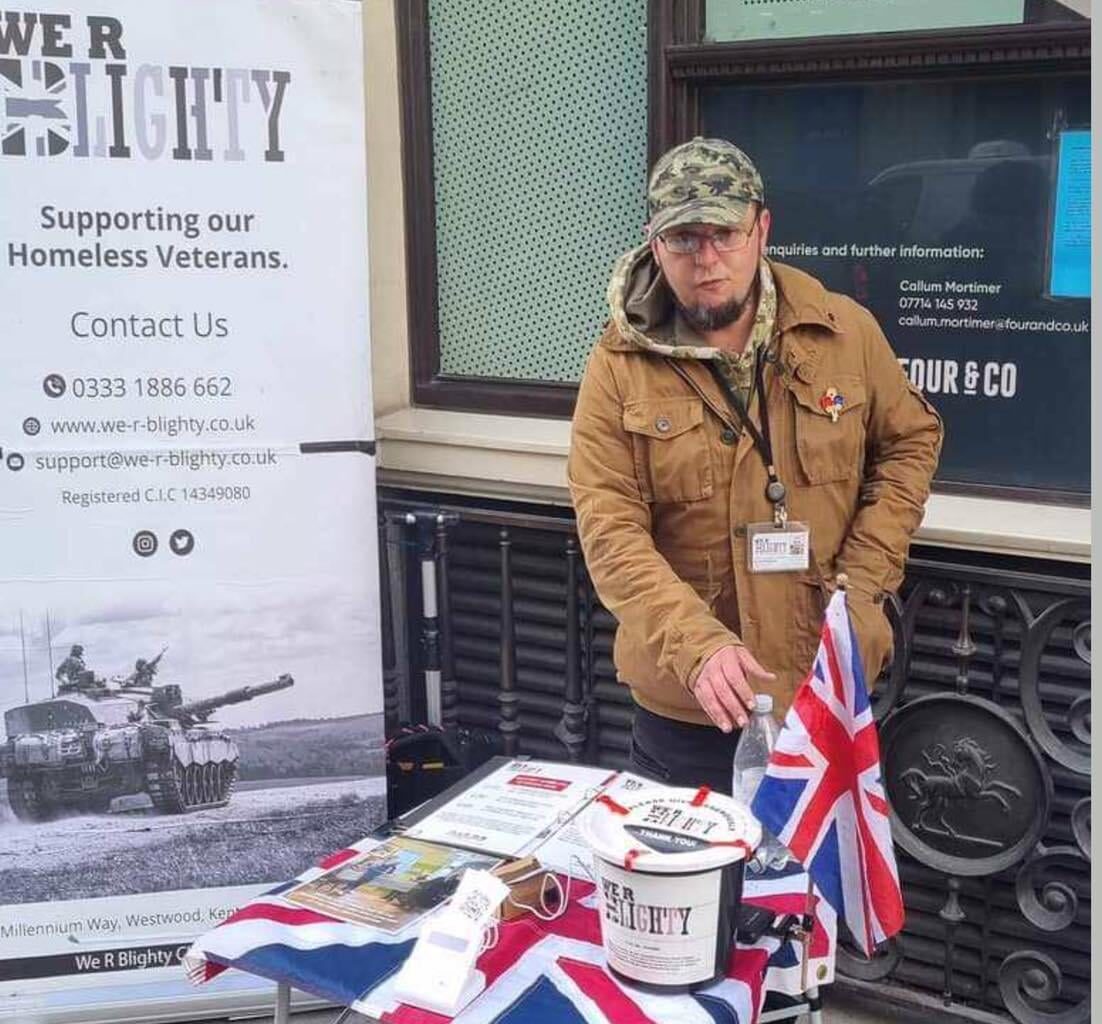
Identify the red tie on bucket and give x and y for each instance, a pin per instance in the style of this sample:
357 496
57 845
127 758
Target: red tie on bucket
612 805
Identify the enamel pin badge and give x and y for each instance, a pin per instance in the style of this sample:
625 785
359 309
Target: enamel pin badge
831 403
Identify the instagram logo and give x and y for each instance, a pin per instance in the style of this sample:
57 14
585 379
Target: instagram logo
144 543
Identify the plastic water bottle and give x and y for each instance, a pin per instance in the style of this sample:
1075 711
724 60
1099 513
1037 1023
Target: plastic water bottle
755 746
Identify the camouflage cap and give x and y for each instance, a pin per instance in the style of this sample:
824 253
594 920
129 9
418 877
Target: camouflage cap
704 181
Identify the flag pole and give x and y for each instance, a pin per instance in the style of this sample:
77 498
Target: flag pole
841 581
808 926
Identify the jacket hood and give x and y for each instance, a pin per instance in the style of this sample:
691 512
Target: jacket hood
640 302
643 310
645 316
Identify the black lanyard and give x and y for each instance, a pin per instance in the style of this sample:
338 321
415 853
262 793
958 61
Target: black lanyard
774 489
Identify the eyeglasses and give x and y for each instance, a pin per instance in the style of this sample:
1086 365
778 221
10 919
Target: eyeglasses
685 243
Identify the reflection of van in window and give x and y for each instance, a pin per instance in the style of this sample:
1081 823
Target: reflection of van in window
996 200
926 201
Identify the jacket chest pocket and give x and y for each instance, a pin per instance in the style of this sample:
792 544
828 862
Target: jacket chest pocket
670 448
830 447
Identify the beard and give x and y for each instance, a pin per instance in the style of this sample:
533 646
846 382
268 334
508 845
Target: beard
714 318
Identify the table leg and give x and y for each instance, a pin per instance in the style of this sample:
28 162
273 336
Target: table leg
814 1005
283 1003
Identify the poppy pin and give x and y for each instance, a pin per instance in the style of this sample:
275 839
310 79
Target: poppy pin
831 403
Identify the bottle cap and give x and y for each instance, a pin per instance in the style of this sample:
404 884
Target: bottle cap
763 703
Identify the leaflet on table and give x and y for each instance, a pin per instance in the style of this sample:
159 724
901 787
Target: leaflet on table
514 808
390 886
565 850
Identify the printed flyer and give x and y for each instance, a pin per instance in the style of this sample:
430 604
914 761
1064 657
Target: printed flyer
514 808
391 886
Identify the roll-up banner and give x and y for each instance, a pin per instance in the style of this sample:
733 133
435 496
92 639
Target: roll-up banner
190 679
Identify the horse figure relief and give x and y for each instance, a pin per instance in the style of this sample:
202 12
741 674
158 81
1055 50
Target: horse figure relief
952 780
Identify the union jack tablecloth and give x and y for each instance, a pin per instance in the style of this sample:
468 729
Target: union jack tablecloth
537 971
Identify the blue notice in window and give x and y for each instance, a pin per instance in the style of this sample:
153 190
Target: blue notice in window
1071 223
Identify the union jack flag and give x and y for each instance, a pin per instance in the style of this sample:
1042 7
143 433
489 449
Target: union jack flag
537 971
822 794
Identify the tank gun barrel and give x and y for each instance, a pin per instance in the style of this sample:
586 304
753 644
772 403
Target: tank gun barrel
199 709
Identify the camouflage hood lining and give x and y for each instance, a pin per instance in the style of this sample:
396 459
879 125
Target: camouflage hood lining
642 307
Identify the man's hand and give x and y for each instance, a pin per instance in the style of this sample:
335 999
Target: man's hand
723 688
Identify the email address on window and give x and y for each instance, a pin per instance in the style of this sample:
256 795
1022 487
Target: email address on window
999 323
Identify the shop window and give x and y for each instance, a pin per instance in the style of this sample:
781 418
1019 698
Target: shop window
941 178
525 158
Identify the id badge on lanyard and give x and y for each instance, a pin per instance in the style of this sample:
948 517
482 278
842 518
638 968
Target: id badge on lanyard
773 548
780 545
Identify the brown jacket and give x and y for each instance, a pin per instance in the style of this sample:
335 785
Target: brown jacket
664 484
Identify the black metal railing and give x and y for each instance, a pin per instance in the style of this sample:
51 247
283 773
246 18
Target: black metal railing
989 687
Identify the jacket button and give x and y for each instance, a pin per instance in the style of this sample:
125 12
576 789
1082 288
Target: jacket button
728 436
739 531
662 425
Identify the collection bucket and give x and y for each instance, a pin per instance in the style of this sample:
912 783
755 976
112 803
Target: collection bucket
669 866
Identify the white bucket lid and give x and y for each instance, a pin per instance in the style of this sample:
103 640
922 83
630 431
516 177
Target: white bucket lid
670 831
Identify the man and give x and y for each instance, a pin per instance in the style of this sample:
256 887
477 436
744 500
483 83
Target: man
742 436
71 672
142 674
145 671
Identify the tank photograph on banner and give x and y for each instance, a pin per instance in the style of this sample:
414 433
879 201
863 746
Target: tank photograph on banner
98 740
207 762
